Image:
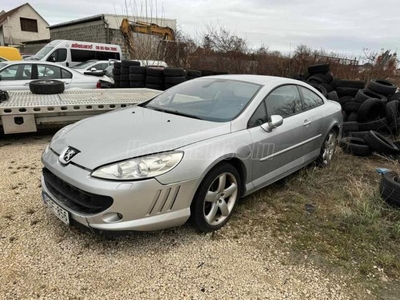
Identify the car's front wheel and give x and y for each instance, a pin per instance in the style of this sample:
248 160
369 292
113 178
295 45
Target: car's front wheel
215 198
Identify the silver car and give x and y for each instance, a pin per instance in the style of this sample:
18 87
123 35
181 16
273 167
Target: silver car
16 75
189 153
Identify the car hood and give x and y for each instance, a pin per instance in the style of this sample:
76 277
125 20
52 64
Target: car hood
132 132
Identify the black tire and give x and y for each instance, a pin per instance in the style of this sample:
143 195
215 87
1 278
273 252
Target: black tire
117 84
378 124
358 134
329 76
136 84
350 126
117 65
221 73
380 144
137 70
116 71
381 86
333 96
327 87
154 86
370 110
124 71
389 188
365 94
328 148
355 84
200 207
155 72
346 91
154 80
395 96
46 87
125 77
335 83
318 78
174 72
353 117
129 63
355 146
193 73
351 107
392 111
343 100
207 73
124 84
174 80
168 85
394 127
117 78
137 77
318 69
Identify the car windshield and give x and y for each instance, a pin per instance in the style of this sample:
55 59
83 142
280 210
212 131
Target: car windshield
212 99
42 53
84 65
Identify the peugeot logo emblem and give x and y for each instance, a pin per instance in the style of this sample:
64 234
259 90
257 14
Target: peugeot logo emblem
67 154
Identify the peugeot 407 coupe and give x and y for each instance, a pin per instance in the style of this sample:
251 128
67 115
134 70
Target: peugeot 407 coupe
189 153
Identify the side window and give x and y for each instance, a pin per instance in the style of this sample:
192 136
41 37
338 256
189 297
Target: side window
48 72
58 55
82 55
310 99
284 101
65 74
259 117
101 66
17 72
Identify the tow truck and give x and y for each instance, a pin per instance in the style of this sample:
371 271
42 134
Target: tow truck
24 111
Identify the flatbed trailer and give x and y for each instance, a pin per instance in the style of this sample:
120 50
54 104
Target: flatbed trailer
23 111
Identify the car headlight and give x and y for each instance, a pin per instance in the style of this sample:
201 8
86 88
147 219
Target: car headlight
141 167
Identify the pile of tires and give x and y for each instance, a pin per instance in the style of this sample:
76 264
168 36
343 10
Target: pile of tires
390 188
364 143
192 74
173 76
155 79
137 77
125 72
117 74
372 107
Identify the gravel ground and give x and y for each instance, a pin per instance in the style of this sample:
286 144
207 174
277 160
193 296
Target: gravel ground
42 258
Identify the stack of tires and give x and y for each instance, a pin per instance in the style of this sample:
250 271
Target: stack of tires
372 108
192 74
125 71
137 76
390 188
117 74
155 78
173 76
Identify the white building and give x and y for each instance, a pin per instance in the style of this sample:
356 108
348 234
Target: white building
22 24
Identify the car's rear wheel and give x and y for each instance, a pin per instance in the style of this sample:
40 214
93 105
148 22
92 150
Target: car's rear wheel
328 148
215 198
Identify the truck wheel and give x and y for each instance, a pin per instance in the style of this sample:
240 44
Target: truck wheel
46 87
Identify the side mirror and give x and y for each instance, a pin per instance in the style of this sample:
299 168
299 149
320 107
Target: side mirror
93 69
275 121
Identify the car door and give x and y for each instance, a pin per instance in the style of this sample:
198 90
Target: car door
16 77
315 116
47 71
281 151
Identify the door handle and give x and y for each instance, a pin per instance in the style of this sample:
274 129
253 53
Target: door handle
306 123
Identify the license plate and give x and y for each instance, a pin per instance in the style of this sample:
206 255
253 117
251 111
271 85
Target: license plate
60 212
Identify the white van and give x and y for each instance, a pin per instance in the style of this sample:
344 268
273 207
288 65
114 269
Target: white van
71 53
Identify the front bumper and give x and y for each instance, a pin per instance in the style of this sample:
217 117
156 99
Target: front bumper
144 205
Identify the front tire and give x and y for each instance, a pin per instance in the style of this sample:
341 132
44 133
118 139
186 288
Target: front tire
215 199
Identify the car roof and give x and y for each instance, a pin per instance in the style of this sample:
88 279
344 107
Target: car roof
257 79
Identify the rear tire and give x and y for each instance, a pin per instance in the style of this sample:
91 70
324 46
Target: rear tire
215 199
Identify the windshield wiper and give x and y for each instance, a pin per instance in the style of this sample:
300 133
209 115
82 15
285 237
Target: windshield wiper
173 112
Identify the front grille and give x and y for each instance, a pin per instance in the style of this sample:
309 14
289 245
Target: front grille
73 197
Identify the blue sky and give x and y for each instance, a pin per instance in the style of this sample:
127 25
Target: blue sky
345 27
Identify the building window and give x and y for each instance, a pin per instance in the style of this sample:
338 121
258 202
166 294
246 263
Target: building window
28 25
